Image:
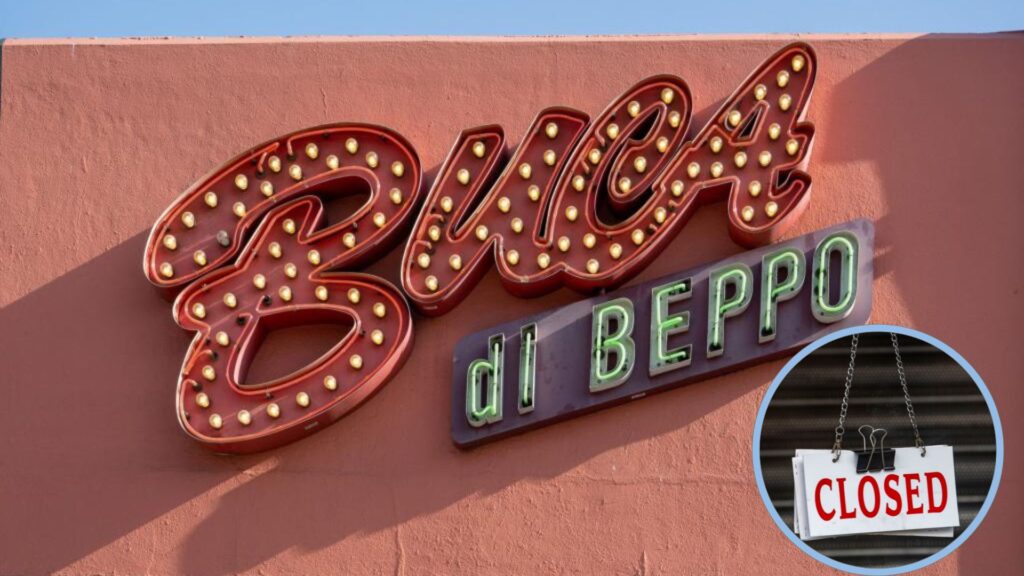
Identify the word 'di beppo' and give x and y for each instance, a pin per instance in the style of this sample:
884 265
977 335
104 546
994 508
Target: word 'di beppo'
660 334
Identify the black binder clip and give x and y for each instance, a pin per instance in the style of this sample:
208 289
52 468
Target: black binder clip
879 458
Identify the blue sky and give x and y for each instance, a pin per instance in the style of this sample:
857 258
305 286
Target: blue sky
112 18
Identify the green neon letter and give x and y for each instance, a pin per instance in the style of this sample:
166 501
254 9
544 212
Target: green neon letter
847 246
721 306
604 373
788 261
527 367
481 410
664 325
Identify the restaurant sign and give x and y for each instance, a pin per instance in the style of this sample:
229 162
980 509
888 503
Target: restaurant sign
584 203
660 334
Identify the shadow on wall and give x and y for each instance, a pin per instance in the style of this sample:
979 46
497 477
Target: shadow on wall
93 451
89 363
940 122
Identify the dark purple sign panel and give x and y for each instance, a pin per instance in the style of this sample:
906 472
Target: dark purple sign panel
661 334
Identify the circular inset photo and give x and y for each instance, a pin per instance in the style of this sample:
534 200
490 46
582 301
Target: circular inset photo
878 450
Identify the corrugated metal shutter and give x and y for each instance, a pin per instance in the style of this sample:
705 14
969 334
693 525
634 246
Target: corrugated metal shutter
950 410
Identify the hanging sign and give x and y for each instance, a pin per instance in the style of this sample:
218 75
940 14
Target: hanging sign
914 494
660 334
877 489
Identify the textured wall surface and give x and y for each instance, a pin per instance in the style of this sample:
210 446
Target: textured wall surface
919 133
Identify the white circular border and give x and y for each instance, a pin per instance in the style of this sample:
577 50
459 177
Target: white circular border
997 474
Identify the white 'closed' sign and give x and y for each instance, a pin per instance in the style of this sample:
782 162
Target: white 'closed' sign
917 497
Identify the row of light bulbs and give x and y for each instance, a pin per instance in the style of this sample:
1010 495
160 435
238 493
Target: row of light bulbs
241 182
504 204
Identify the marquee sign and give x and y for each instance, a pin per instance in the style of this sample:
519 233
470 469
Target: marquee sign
247 248
660 334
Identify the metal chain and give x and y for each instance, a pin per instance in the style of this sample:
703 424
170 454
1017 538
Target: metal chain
846 400
906 394
840 430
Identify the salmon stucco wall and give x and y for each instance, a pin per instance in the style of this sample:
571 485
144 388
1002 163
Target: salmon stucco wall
919 133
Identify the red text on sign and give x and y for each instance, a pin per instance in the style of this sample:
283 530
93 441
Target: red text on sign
866 500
